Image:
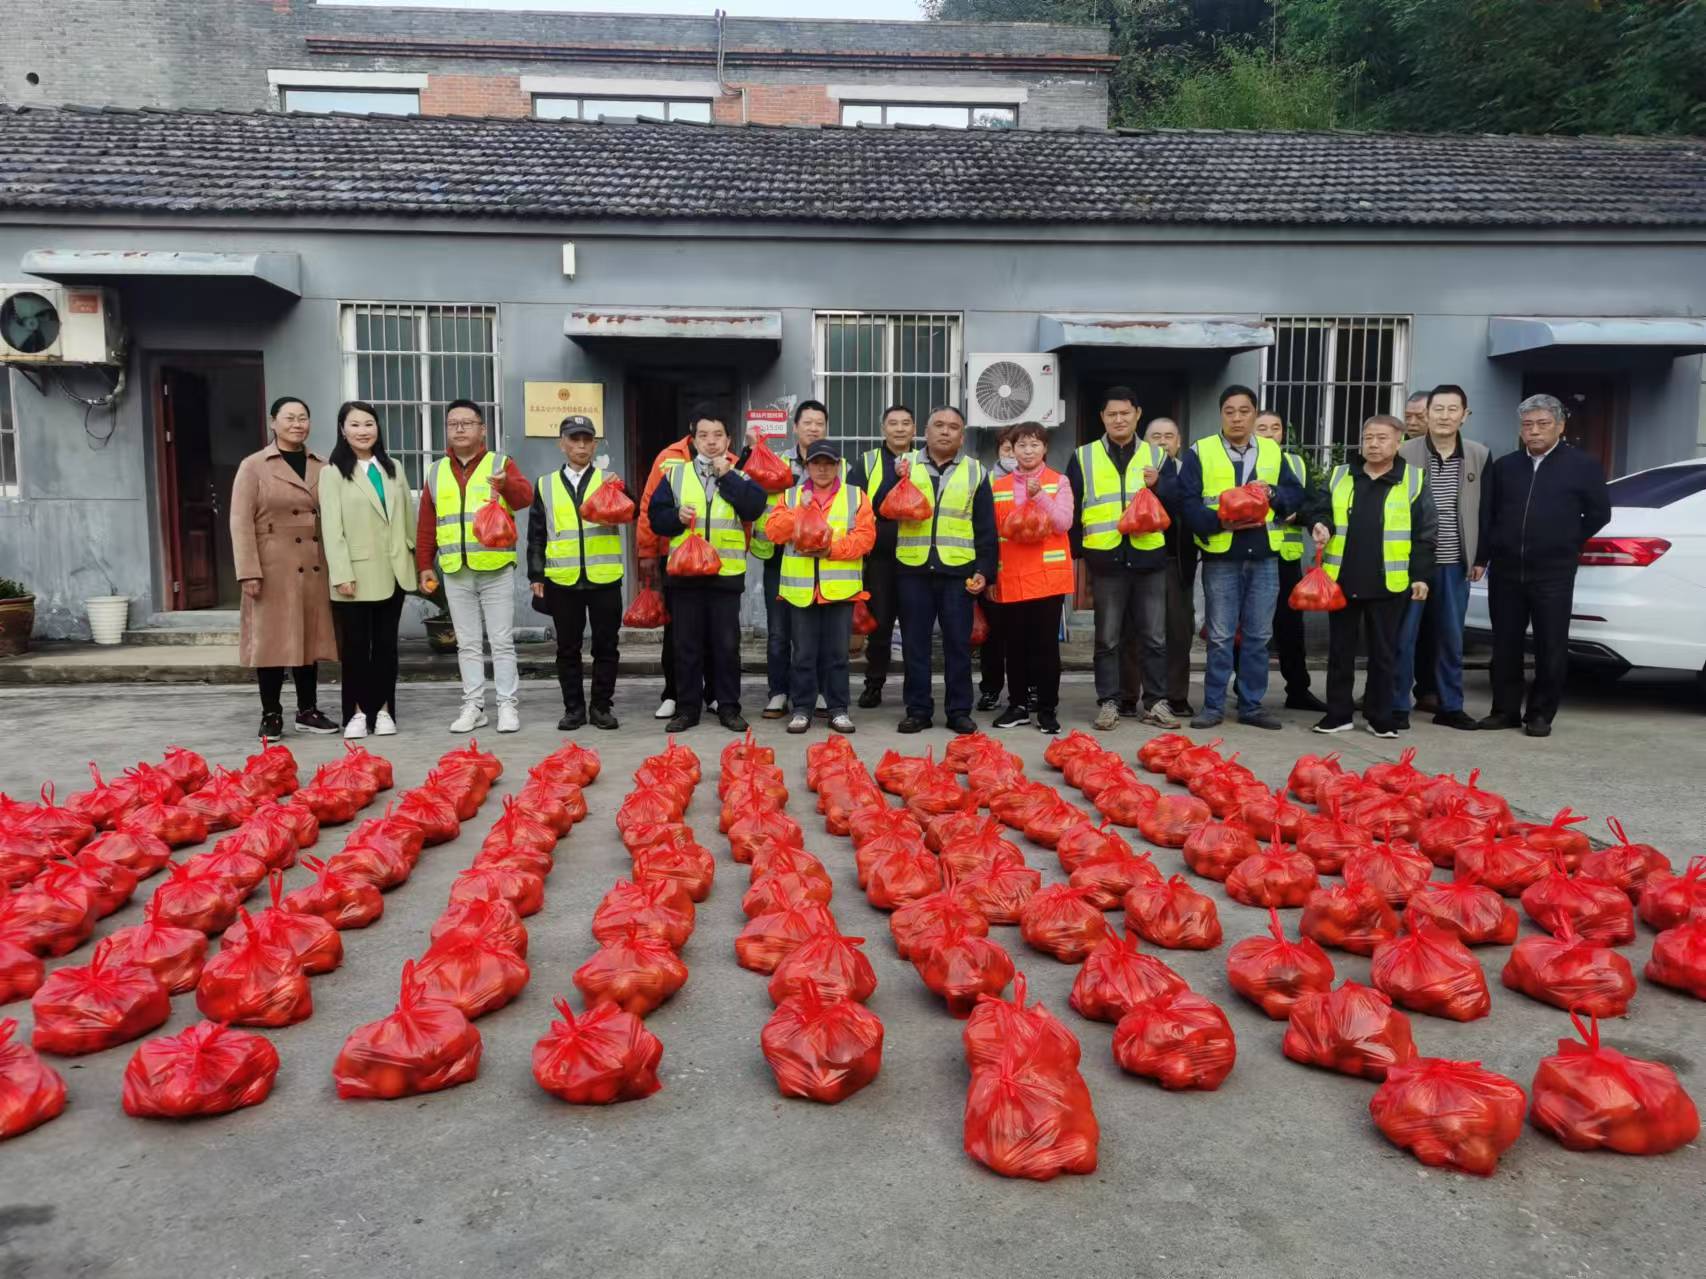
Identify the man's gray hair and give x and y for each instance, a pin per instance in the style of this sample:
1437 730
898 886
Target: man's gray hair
1157 421
1542 403
1414 396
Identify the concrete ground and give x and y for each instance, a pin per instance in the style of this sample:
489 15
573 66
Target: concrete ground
1279 1173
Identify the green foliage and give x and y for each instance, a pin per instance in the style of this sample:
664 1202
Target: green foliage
13 590
1245 90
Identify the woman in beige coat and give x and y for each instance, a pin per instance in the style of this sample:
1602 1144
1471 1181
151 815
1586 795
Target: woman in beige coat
369 522
275 537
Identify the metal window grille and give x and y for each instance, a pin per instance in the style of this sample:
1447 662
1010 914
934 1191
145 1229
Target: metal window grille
866 361
409 362
1326 374
8 436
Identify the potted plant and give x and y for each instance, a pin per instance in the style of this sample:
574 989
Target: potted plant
441 633
17 617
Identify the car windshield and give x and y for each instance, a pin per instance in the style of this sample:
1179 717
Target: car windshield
1659 487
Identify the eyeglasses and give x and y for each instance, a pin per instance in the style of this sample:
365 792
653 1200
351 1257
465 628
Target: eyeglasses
294 419
460 423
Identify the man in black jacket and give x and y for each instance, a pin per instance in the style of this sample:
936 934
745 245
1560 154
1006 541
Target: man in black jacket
1181 571
874 472
1541 504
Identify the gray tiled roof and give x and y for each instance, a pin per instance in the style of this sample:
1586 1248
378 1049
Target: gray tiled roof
62 159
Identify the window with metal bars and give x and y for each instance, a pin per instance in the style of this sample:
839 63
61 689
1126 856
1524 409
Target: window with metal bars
1326 374
8 437
866 361
409 362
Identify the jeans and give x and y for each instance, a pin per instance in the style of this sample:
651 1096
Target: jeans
271 680
1033 651
925 600
1375 621
571 609
1515 603
1239 597
482 603
820 637
1130 604
1441 617
880 582
367 651
778 629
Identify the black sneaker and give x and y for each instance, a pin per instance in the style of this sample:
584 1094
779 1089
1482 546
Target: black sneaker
1538 728
602 718
1455 719
913 724
1401 721
1381 730
1013 717
312 721
571 720
872 696
964 725
1492 722
1430 702
272 724
1181 706
681 723
1048 722
1327 724
989 701
1305 701
732 721
1130 710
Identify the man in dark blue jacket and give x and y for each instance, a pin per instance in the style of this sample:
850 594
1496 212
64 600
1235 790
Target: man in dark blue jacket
1541 504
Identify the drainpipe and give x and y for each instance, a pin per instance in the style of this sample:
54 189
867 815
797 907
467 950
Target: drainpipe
722 84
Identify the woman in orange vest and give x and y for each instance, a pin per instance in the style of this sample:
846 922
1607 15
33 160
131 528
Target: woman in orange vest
1033 579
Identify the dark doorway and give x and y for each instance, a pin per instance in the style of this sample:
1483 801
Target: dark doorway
657 402
209 413
1597 404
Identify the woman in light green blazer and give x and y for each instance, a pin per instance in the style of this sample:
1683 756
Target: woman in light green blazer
367 518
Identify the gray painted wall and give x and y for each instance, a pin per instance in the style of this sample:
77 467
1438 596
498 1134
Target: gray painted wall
87 519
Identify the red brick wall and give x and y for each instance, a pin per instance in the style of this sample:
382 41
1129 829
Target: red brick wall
490 95
779 104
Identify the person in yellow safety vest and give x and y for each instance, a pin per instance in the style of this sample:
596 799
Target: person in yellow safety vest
1240 561
1288 622
1380 550
874 472
819 587
479 581
575 567
708 495
811 424
945 562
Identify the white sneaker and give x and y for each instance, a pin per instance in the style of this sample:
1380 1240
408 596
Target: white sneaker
384 725
509 719
665 710
356 728
473 716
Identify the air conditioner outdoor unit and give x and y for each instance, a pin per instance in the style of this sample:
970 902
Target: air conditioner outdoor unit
1009 388
56 324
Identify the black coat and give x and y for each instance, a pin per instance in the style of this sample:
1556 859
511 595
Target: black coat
1534 520
748 501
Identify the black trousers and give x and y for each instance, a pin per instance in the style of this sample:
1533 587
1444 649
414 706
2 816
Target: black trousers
271 680
1374 622
1033 651
885 607
1288 630
571 609
1515 604
707 648
1181 630
992 657
818 641
367 650
929 601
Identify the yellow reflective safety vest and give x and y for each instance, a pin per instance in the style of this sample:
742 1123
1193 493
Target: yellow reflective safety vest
457 545
762 547
804 575
716 519
949 528
1106 493
1219 474
1395 526
1291 535
574 546
872 461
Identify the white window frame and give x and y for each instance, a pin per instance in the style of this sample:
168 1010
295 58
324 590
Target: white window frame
970 108
422 313
581 99
933 95
9 433
867 434
281 79
1388 394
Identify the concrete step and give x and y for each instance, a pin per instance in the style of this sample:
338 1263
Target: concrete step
179 636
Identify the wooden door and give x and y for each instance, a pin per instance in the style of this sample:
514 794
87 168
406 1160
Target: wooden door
1595 403
190 441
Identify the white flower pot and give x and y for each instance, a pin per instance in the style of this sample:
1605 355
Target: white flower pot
108 616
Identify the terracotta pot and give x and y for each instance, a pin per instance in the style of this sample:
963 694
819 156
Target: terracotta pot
17 619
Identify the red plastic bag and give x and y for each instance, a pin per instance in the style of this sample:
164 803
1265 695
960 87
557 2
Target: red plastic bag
254 982
828 963
1440 836
604 1056
1047 824
905 502
21 970
51 916
812 534
693 556
1215 849
979 625
782 889
520 888
493 919
1061 922
574 763
1571 972
341 900
920 924
1679 957
31 1091
1309 772
1000 890
1023 1119
1144 514
1394 869
1489 807
1592 1097
1428 970
275 765
313 941
98 1005
332 804
1387 815
902 877
1449 1113
1245 504
1160 751
475 973
1328 840
1172 915
1353 1030
769 939
1125 802
1171 820
1507 866
1316 592
109 885
1274 972
1111 879
1117 977
206 1069
635 972
1274 876
1478 915
423 1046
647 611
174 955
689 865
1028 525
221 800
768 470
1558 838
1667 900
1398 778
1348 917
1182 1041
102 804
237 868
401 833
1086 843
1594 909
823 1050
271 843
196 895
494 526
173 824
184 767
999 1028
1626 865
961 966
609 504
864 621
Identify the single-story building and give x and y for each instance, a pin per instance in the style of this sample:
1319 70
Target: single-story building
204 262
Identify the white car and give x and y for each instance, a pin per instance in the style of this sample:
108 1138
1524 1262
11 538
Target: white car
1640 596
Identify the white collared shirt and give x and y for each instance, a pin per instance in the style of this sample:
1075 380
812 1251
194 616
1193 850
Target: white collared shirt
1538 458
573 476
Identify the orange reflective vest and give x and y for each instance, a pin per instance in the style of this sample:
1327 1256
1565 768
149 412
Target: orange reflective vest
1030 570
